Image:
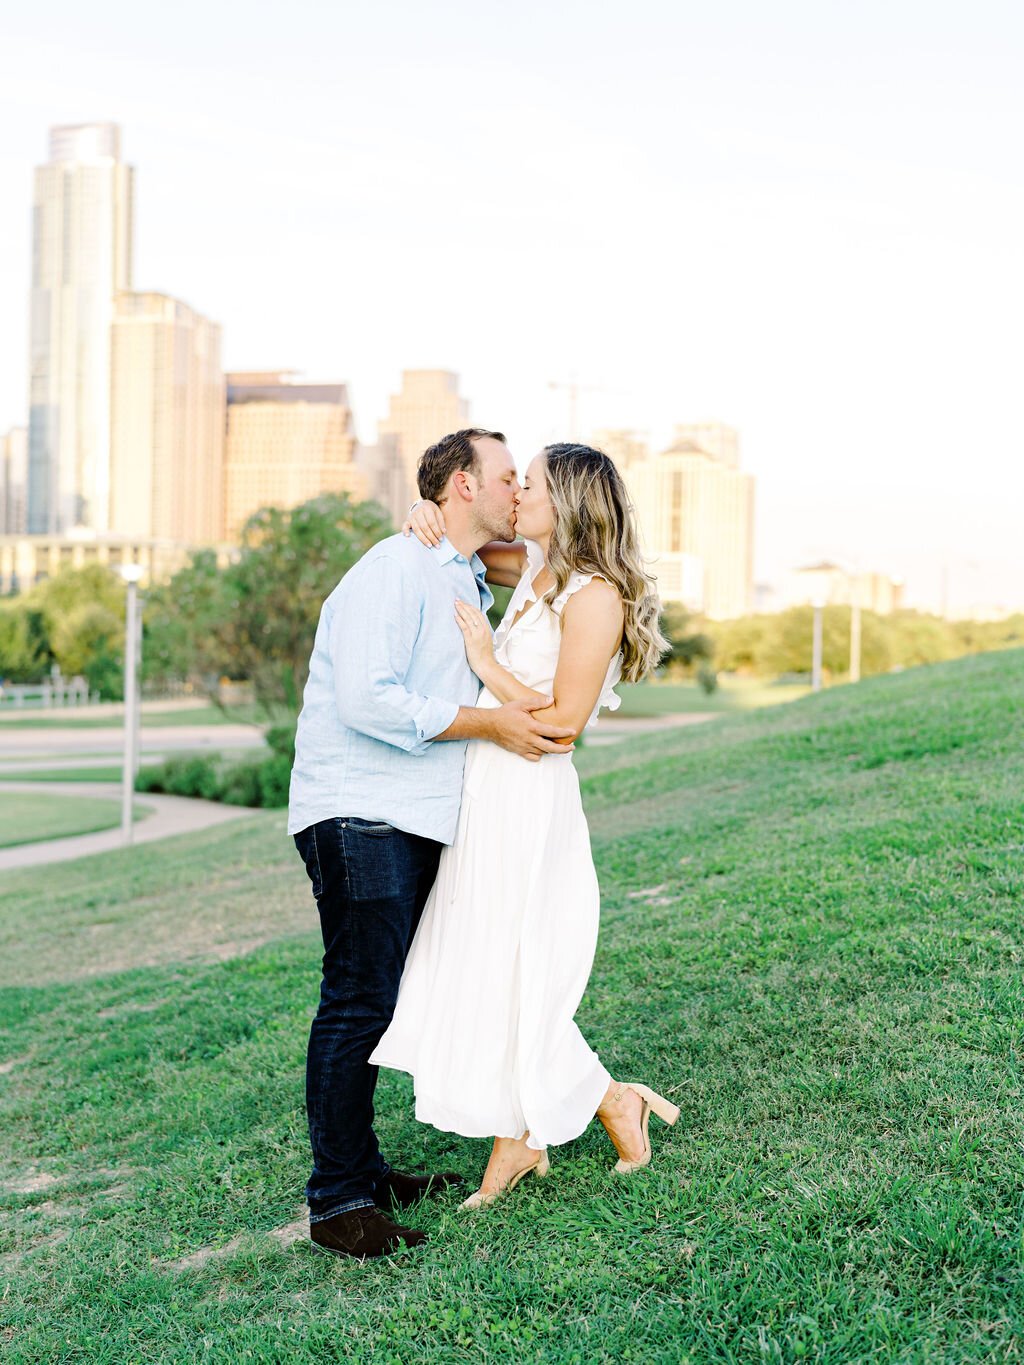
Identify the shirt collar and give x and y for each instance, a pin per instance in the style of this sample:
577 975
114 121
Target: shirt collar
446 552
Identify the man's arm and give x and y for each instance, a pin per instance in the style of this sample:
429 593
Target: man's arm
371 648
513 727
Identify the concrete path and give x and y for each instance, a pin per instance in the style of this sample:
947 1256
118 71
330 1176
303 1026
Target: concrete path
58 741
170 815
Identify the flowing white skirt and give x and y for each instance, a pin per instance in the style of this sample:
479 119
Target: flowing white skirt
498 966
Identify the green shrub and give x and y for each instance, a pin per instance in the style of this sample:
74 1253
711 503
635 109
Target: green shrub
274 775
246 782
240 784
281 739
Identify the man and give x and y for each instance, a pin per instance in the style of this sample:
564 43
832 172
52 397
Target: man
375 793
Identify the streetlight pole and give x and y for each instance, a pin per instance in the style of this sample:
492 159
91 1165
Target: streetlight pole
131 573
819 608
855 631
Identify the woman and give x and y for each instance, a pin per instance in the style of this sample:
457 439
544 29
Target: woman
499 963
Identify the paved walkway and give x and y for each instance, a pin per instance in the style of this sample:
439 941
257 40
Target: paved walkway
170 815
59 741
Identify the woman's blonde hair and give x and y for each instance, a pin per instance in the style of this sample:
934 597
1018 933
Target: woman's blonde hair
595 532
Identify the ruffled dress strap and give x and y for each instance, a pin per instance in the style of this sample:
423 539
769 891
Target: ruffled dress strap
609 698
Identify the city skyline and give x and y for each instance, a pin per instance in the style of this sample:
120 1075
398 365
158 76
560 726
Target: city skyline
812 235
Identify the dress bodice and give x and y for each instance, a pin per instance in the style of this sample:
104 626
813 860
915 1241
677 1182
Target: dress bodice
529 647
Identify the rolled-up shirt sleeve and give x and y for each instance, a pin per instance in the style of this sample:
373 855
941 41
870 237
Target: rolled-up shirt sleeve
371 645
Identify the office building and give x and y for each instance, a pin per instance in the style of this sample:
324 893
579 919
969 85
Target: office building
386 477
167 421
622 446
696 514
717 439
13 481
830 585
427 407
287 442
81 258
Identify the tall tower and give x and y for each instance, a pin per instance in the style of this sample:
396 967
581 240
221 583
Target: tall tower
81 257
167 421
696 513
427 408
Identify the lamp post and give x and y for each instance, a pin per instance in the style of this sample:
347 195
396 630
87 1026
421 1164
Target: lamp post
855 631
131 573
819 607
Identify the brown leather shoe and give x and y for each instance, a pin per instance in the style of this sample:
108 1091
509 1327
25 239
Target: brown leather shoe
363 1232
403 1190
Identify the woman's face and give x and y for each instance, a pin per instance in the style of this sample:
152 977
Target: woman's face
535 518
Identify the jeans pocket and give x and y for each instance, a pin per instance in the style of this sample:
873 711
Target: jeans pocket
377 828
305 842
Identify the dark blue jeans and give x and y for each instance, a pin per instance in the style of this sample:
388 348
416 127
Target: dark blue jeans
370 881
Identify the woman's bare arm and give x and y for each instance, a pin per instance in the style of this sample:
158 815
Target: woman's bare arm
591 637
504 562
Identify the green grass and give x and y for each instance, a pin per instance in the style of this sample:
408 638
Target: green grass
811 939
667 698
26 817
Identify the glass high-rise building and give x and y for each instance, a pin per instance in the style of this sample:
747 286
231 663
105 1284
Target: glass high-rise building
81 258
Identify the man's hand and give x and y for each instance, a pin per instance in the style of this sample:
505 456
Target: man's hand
514 728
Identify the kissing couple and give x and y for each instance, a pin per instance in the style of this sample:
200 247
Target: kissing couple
435 805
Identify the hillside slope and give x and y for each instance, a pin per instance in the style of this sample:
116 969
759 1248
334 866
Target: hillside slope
811 939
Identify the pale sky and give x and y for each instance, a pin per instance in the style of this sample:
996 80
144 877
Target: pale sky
806 219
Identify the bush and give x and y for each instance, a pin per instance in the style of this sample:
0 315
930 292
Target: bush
248 782
240 784
274 777
281 739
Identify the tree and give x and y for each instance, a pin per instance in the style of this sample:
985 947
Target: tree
24 646
256 617
686 647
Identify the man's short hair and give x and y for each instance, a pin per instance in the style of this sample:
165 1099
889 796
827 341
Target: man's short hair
446 457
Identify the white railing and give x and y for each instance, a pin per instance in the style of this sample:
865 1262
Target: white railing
57 692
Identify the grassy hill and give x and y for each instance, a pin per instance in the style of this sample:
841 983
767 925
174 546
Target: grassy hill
811 940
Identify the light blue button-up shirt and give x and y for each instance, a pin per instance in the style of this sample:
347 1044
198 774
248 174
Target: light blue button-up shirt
388 672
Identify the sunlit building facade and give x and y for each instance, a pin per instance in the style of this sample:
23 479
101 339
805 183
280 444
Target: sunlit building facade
13 481
830 585
427 407
622 445
167 421
81 258
696 516
287 442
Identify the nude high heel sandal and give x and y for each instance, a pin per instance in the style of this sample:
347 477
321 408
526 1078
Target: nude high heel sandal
654 1103
479 1200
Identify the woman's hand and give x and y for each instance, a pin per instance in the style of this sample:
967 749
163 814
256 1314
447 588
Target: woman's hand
476 631
427 522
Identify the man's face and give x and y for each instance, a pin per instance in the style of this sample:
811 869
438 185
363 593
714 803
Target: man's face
497 488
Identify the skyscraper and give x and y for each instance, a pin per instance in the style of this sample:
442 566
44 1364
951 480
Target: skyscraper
696 515
167 422
427 408
286 443
13 481
81 257
623 446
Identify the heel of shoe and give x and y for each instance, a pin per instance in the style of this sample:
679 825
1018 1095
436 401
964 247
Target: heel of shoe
543 1165
665 1109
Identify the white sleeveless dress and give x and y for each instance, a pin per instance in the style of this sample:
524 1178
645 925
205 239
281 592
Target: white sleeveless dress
498 965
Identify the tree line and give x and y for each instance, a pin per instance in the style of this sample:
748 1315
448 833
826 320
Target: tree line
253 619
